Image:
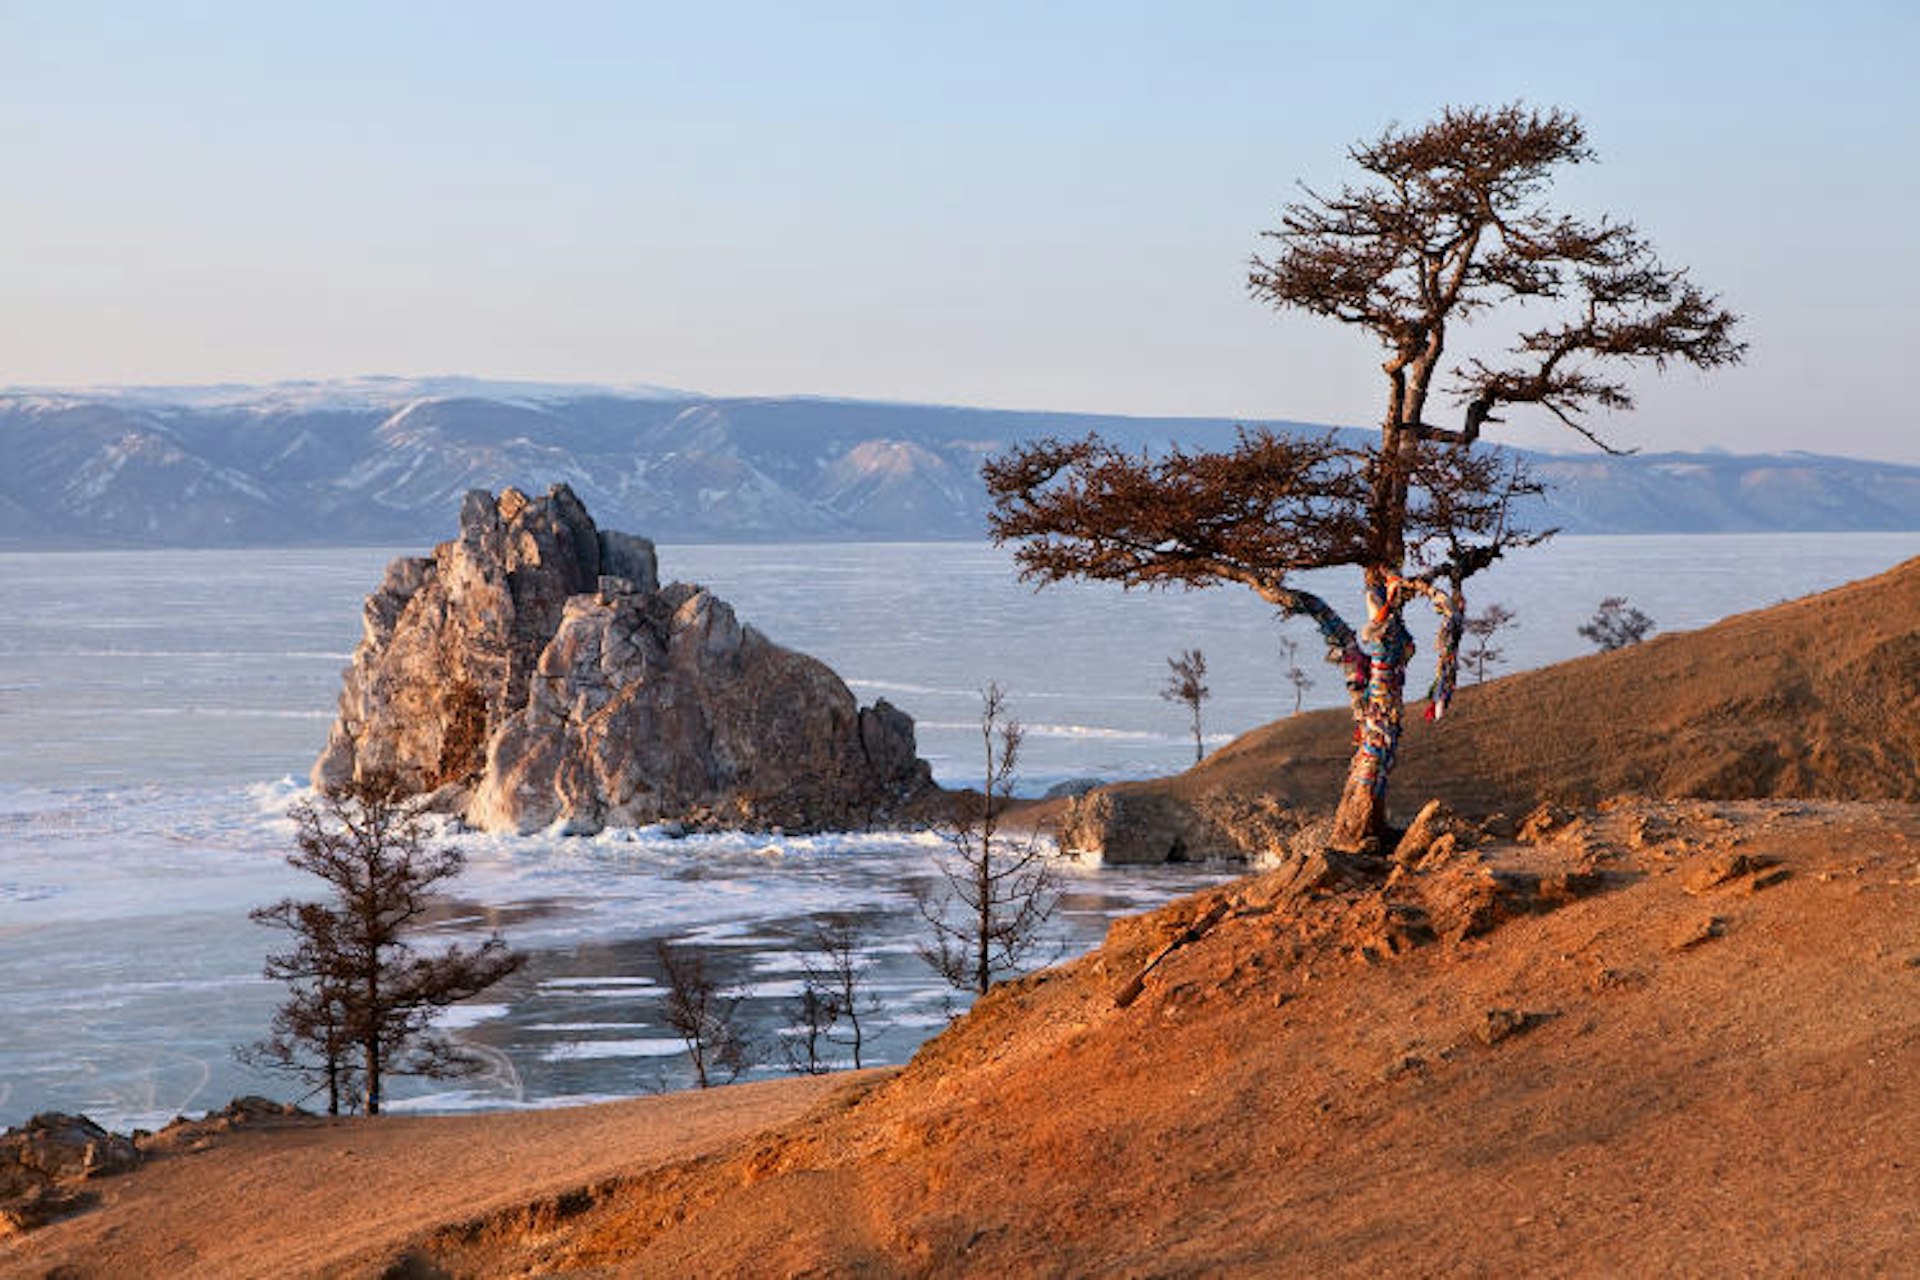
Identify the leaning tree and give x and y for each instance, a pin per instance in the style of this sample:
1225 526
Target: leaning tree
1447 226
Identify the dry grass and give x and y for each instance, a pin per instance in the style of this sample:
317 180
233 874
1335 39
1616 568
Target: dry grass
1816 698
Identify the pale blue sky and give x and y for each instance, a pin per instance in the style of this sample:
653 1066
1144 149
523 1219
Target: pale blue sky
1015 205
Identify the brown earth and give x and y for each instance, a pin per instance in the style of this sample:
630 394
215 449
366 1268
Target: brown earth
1815 698
1677 1038
303 1196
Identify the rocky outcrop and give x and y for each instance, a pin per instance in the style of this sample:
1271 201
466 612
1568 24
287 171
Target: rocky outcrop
47 1164
655 705
1128 825
43 1162
1124 828
533 672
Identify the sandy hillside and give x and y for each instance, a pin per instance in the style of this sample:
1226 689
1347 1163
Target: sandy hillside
1658 1039
296 1197
1818 697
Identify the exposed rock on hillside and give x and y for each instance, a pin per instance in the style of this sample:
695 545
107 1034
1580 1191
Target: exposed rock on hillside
43 1162
533 671
1817 699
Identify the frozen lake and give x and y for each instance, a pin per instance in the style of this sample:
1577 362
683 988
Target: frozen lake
158 710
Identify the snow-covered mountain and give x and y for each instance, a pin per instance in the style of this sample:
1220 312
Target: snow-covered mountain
383 459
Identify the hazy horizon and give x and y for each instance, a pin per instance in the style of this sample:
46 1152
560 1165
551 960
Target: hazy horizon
1036 209
457 385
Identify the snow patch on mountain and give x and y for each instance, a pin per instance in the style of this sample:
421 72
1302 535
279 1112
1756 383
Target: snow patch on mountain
389 459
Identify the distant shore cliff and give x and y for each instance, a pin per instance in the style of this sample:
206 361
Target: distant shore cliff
533 671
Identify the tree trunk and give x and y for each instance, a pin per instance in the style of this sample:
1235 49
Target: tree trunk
371 1054
1361 819
1360 823
983 932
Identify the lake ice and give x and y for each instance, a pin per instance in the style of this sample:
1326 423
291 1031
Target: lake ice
158 710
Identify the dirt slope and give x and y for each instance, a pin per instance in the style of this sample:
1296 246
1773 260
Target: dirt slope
1593 1070
1664 1039
1816 698
302 1197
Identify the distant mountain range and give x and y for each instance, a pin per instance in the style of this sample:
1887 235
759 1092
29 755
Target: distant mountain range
387 460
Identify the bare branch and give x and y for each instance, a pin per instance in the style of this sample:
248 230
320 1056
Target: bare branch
1604 447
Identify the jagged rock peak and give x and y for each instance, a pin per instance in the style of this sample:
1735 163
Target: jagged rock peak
533 671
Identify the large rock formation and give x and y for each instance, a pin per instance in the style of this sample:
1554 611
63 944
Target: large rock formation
533 671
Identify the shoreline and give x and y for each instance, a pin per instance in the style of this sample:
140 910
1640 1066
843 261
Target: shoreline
1679 1034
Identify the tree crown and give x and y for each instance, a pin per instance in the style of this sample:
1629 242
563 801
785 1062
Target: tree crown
1449 222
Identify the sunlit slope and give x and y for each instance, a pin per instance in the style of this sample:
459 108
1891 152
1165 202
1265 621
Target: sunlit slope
1816 698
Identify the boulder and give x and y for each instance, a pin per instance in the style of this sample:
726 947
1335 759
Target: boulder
1125 827
533 671
43 1160
1131 825
64 1147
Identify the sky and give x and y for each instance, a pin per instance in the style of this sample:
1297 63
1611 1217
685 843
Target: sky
1033 206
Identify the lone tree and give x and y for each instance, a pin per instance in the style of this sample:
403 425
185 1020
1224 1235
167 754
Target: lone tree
998 890
1295 675
363 998
1446 224
1187 684
1483 627
1616 624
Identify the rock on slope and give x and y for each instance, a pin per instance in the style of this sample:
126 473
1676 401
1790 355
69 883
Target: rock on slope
534 671
1815 698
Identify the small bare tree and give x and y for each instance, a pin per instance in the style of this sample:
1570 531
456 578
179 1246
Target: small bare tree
1481 628
364 999
1616 624
1187 685
1296 675
309 1035
806 1043
702 1015
833 998
998 891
